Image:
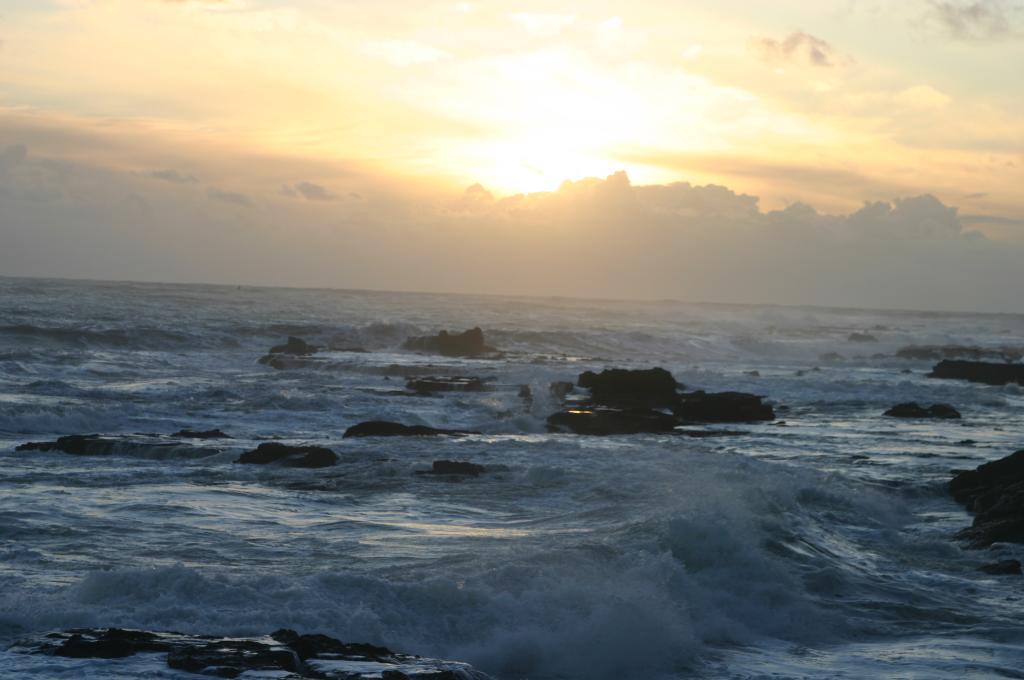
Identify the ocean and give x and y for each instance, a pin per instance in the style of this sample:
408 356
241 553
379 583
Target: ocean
819 545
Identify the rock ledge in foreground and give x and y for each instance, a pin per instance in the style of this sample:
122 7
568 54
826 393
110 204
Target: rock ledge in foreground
283 651
994 494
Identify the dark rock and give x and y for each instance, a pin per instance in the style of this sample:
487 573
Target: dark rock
454 467
722 407
622 388
296 346
605 421
979 371
289 456
861 337
940 352
431 384
1002 568
383 428
282 652
204 434
753 374
831 357
914 410
994 494
466 344
100 445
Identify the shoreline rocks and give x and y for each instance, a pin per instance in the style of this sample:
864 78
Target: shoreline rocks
202 434
994 494
283 651
979 372
912 409
384 428
940 352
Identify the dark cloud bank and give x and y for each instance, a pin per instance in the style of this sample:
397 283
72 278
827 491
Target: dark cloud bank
594 237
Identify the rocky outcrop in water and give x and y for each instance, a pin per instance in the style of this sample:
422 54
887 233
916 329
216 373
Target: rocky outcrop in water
296 346
466 344
912 409
289 456
283 651
604 421
940 352
454 467
979 372
861 337
722 407
637 401
153 446
624 388
994 494
384 428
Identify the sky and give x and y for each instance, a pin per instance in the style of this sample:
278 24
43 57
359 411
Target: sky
841 152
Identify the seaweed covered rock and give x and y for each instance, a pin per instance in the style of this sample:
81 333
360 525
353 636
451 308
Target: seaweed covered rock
289 456
283 653
994 494
384 428
469 343
912 409
979 372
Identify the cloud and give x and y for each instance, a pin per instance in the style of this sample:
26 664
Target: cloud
797 47
308 191
404 53
978 21
545 25
173 176
229 197
11 156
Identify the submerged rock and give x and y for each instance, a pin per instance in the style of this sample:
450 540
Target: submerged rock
432 384
861 337
384 428
283 651
912 409
454 467
466 344
202 434
1002 568
289 456
994 494
979 372
722 407
605 421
